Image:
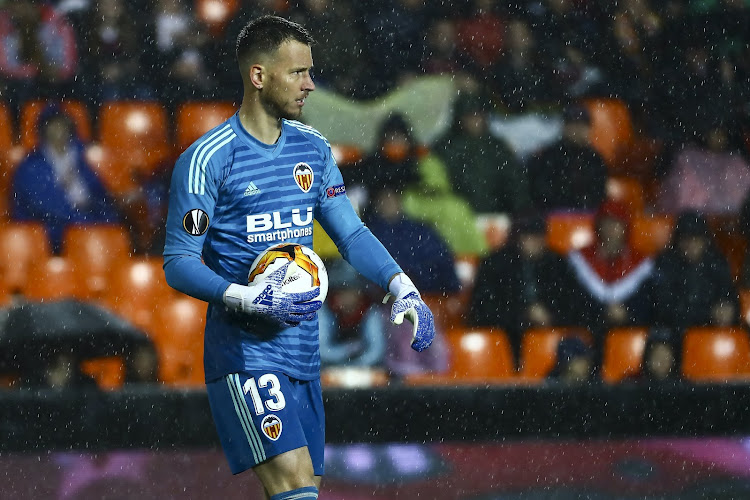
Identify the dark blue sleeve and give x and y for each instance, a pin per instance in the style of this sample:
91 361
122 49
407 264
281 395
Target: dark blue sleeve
191 194
355 242
192 277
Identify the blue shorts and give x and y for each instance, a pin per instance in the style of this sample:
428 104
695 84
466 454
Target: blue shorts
261 414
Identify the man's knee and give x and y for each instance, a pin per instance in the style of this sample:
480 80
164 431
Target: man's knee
306 493
289 471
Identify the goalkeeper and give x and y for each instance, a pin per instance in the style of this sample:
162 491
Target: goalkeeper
257 178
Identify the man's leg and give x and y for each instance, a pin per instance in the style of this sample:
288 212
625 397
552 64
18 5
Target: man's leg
288 472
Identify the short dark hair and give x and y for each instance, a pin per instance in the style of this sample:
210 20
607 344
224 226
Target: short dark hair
266 33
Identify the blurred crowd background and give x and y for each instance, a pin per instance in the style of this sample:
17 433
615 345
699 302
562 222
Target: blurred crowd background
583 217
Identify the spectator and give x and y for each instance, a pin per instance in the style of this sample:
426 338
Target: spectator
38 52
393 164
420 252
340 66
54 184
428 197
693 284
58 370
574 364
351 330
480 36
713 178
483 169
394 34
441 53
142 364
180 54
521 76
612 286
112 62
569 174
355 329
522 285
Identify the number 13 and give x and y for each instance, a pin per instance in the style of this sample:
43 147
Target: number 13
277 401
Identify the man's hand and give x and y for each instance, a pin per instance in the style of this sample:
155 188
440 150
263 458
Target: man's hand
267 298
409 305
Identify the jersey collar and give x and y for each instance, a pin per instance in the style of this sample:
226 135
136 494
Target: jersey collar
266 150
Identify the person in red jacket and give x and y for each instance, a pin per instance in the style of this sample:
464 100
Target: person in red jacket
612 284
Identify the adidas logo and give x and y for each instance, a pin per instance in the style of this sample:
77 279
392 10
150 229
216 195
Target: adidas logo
251 189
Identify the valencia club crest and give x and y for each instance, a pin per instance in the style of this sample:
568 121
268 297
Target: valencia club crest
303 176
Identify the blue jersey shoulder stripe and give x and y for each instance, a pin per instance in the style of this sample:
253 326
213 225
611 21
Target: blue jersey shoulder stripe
226 141
305 128
197 151
197 167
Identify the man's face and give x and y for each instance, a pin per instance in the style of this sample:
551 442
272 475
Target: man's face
288 80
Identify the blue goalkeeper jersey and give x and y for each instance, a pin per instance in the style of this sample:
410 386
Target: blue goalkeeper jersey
231 198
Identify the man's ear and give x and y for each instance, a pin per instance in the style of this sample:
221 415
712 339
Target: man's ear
257 75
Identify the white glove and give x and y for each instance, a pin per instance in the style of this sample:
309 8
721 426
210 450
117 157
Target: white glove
268 298
409 305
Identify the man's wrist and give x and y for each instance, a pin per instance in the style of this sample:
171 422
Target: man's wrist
401 285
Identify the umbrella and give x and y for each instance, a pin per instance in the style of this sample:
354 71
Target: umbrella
31 330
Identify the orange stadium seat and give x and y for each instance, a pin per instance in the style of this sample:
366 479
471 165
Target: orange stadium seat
745 305
539 350
94 251
30 115
478 356
108 372
51 279
567 232
650 234
346 154
712 354
611 128
196 118
627 191
623 353
178 336
136 289
136 133
10 156
6 129
22 244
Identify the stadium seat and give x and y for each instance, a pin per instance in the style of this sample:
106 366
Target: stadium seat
567 232
10 156
650 234
6 128
712 354
346 154
30 116
94 251
539 350
627 191
623 353
745 305
108 372
51 279
611 128
136 133
178 336
478 356
216 14
136 289
196 118
22 244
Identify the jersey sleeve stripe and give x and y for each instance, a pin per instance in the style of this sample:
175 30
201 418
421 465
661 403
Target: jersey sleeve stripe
208 157
193 160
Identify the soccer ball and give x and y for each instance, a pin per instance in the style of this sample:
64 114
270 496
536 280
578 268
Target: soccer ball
306 272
